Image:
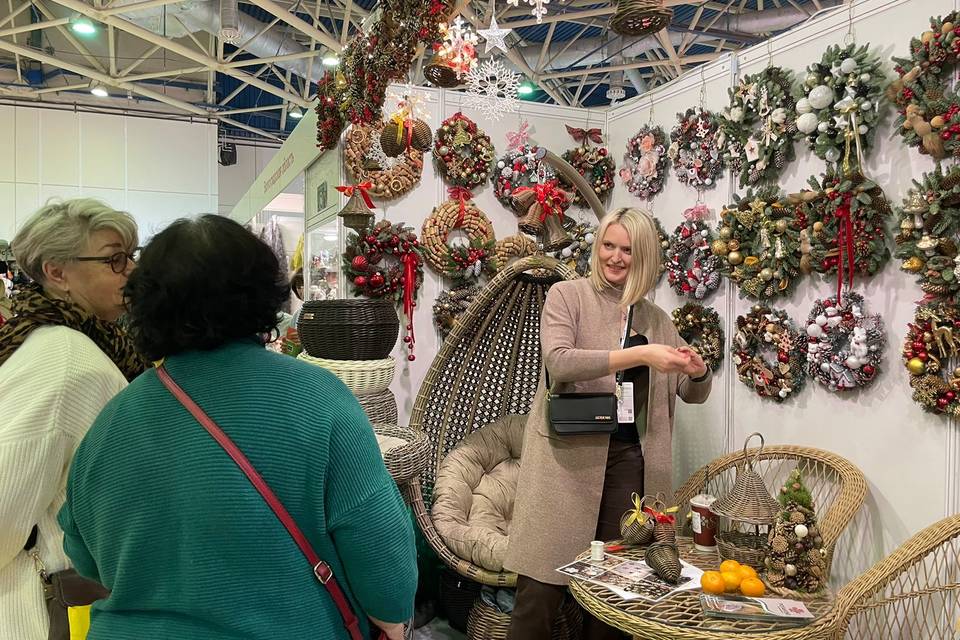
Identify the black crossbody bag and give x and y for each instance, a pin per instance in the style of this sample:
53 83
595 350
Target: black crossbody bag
574 414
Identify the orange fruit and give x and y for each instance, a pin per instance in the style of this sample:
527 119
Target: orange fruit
731 579
729 565
747 572
752 587
712 582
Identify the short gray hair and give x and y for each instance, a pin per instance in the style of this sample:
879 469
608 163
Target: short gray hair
60 230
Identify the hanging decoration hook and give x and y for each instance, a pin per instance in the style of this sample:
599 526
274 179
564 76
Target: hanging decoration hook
850 38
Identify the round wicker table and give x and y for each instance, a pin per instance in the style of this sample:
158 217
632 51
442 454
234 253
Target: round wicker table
680 616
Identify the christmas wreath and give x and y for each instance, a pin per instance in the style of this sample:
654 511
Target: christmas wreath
450 305
593 163
761 329
518 168
366 161
664 244
845 218
929 224
462 258
929 110
841 93
692 270
385 260
645 162
931 341
759 125
463 152
700 327
844 346
695 144
759 248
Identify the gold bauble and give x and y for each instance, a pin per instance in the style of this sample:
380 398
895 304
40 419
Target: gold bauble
726 233
781 226
956 372
937 122
817 226
906 226
946 28
927 336
766 274
733 245
913 264
719 248
926 37
734 258
771 327
916 366
665 244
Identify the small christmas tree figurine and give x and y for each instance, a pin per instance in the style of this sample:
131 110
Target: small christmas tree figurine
797 561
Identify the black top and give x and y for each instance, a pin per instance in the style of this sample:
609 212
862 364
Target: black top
640 377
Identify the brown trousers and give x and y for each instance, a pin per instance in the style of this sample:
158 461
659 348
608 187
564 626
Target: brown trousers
537 603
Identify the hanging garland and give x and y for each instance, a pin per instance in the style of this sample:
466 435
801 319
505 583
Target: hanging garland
841 93
929 225
463 152
593 163
459 260
695 144
758 245
386 260
386 181
844 346
518 168
931 341
699 326
757 331
355 92
759 125
645 162
692 270
450 305
929 110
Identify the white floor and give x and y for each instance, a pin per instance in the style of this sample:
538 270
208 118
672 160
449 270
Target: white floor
437 630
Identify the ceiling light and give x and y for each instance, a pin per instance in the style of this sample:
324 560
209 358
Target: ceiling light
616 93
526 89
296 113
99 91
82 25
330 60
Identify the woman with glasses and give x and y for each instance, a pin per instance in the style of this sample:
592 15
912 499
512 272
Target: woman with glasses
62 358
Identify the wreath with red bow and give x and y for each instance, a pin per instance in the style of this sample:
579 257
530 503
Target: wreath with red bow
386 260
465 260
593 163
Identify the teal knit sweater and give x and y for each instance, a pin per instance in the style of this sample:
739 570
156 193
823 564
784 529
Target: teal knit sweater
162 516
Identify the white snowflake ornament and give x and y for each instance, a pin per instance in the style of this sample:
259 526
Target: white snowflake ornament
492 89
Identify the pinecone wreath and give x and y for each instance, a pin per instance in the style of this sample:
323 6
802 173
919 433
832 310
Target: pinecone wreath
797 564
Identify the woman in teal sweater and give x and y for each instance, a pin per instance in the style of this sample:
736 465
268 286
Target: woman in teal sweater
159 513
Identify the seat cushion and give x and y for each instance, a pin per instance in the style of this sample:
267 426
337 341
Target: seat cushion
474 492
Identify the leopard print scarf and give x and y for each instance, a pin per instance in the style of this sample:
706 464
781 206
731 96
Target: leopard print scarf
32 308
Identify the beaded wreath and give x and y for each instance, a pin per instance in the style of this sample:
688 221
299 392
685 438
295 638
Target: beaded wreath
765 328
700 327
844 345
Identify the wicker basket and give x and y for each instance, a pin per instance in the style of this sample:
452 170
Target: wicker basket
360 376
440 74
381 408
457 595
489 623
641 527
640 17
664 559
406 461
357 329
745 548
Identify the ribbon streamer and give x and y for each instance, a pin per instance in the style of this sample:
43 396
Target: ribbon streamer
409 261
584 135
517 139
349 189
460 194
845 246
637 513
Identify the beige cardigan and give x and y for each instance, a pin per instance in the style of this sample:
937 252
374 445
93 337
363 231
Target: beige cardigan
561 478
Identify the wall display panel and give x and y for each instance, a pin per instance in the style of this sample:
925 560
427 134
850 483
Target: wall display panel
8 140
102 153
154 210
28 144
27 201
182 150
8 202
59 147
62 192
116 198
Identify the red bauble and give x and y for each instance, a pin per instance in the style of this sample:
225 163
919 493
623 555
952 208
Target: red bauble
394 241
360 281
950 395
359 263
411 357
376 280
783 357
942 403
869 370
371 239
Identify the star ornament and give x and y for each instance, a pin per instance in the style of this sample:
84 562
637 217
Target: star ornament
494 36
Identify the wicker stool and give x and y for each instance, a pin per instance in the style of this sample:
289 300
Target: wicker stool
640 17
406 461
489 623
381 407
360 376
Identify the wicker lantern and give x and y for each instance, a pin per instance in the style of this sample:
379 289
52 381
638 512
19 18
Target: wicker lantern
749 506
440 72
396 137
356 214
640 17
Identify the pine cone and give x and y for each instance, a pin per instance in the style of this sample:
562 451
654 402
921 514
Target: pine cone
779 160
775 578
777 564
779 544
816 571
797 517
814 557
754 176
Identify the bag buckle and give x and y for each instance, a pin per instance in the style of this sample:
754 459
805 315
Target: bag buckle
323 572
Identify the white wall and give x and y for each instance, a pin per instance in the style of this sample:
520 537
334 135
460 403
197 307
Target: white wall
237 178
910 458
158 170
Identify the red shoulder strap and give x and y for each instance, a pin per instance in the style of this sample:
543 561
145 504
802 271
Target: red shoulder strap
321 570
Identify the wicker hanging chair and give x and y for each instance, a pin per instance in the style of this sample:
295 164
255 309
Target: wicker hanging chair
640 17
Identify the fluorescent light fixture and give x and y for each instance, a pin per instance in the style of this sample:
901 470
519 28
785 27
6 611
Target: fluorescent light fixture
82 25
330 60
526 88
99 91
296 113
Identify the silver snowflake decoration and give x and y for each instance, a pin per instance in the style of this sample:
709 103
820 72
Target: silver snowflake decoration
378 155
538 9
492 89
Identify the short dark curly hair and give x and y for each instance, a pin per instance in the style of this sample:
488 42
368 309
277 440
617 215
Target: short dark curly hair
201 283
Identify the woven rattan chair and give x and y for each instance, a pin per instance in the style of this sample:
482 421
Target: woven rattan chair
914 593
837 486
488 367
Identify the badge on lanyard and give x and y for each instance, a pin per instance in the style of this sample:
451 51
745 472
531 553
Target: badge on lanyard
625 404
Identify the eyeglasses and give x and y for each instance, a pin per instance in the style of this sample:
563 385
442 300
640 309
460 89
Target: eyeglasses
117 261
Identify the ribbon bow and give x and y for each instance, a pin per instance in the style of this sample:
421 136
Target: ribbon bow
460 194
845 238
410 260
404 121
662 517
517 139
584 135
349 189
548 196
637 514
696 212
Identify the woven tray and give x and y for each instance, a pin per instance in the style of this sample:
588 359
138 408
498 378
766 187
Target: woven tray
360 376
381 408
406 461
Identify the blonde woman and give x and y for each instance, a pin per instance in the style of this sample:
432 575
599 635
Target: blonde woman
573 488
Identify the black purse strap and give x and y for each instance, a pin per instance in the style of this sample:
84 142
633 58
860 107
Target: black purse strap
32 539
623 345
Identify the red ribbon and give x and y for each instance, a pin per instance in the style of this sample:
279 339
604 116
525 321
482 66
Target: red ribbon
548 196
461 194
660 517
845 246
349 189
583 135
409 261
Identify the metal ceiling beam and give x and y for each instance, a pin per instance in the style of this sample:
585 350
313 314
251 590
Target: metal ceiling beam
297 23
640 64
13 14
233 112
138 6
33 27
136 63
179 49
664 37
69 36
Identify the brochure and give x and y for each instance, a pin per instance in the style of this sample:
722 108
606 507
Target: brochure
744 608
631 579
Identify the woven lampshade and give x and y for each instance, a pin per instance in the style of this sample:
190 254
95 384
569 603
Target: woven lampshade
640 17
440 73
749 501
356 214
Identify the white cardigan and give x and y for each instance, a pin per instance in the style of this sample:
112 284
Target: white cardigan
51 390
